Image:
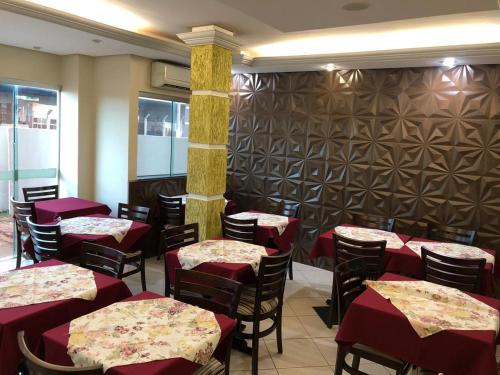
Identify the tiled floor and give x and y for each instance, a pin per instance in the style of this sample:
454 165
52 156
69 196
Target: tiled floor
308 346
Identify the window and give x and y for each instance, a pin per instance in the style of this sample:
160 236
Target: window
162 142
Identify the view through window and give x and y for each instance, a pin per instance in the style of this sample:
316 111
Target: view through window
162 137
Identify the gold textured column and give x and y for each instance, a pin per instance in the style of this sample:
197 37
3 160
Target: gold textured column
211 59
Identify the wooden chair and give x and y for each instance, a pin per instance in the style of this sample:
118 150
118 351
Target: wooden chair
450 234
349 278
174 238
346 249
264 301
41 193
291 209
21 211
36 366
463 274
374 222
213 293
136 259
171 213
239 230
47 240
102 259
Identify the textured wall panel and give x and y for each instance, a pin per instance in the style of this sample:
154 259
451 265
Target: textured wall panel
421 145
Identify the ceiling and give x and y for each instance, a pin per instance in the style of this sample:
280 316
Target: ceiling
280 35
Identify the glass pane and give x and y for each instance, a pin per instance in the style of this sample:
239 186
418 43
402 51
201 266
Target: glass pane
154 137
37 133
180 139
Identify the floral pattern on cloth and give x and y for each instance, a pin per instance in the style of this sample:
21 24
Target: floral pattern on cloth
264 220
368 234
431 308
143 331
223 251
451 250
46 284
117 228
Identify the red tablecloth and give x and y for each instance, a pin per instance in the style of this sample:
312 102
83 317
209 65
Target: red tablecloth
372 320
409 263
35 319
130 243
66 208
323 247
55 344
241 272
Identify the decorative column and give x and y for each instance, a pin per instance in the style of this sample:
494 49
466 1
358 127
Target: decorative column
211 59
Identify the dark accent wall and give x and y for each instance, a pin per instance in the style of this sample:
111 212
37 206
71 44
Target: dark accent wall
421 145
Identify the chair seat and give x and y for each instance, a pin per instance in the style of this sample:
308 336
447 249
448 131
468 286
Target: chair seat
213 367
247 303
370 351
134 254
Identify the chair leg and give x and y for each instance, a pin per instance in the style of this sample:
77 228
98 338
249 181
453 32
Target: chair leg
255 348
355 361
167 281
19 249
143 272
290 269
279 336
339 363
227 360
333 306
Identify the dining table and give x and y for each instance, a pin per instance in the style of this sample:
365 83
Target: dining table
55 348
374 321
66 208
37 318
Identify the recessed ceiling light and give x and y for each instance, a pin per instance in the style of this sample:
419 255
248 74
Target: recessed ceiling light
97 41
356 6
449 62
38 48
330 67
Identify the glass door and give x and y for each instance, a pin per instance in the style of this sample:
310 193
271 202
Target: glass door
29 148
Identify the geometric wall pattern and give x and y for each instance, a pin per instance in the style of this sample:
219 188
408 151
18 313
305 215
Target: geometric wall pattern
421 145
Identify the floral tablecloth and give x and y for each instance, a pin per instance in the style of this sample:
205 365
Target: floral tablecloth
431 308
46 284
452 250
117 228
143 331
223 251
265 220
368 234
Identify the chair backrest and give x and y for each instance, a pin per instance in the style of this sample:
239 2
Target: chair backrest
171 210
349 277
41 193
102 259
134 213
21 211
374 222
450 234
240 230
291 209
373 251
180 236
46 240
38 367
463 274
271 281
210 292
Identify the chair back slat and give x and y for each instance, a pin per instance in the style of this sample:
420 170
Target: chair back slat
46 240
102 259
176 237
291 209
374 222
463 274
170 210
41 193
372 251
38 367
134 213
348 279
450 234
210 292
21 211
239 230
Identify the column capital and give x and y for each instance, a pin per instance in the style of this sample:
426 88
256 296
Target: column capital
210 34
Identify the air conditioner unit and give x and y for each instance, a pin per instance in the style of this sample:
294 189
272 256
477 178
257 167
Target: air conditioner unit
165 75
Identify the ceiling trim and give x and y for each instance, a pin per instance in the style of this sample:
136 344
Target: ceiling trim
377 59
211 34
64 19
